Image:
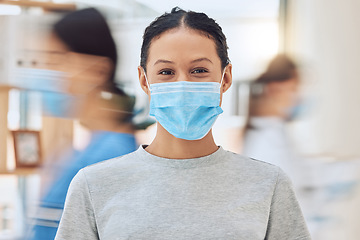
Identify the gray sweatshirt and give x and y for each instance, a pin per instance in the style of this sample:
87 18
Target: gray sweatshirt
220 196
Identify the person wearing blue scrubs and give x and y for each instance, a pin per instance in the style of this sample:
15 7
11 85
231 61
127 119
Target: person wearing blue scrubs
103 145
105 110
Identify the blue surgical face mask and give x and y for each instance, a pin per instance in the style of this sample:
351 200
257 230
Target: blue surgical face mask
60 105
53 86
187 110
299 109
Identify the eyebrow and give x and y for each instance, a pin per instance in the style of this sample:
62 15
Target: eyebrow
201 59
193 61
163 61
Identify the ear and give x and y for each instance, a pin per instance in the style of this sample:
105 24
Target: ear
87 71
142 80
274 87
227 80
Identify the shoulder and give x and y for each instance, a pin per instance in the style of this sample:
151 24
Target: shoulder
108 166
252 164
252 171
107 173
265 175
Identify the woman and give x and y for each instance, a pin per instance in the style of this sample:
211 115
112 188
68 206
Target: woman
91 96
182 186
274 101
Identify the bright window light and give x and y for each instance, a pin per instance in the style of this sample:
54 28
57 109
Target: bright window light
9 10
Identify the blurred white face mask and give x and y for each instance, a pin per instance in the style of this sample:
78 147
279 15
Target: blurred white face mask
53 86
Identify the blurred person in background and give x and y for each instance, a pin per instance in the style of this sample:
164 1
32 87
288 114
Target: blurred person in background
92 96
274 101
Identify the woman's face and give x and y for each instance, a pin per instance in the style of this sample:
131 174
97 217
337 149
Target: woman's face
84 71
184 54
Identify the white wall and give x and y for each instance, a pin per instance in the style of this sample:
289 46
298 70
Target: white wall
325 35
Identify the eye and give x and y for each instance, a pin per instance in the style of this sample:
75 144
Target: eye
166 72
200 70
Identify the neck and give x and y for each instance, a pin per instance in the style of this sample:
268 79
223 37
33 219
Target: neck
110 126
167 146
266 108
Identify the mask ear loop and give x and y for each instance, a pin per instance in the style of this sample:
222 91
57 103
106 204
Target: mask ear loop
147 81
222 78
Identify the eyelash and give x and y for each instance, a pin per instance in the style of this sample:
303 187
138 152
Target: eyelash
203 70
197 70
166 70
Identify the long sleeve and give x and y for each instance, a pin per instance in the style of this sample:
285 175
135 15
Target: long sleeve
286 220
78 219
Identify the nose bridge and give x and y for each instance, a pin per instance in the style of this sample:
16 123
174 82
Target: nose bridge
182 76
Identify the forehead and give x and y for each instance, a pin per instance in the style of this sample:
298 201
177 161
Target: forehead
181 45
